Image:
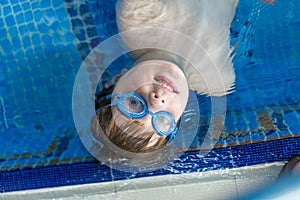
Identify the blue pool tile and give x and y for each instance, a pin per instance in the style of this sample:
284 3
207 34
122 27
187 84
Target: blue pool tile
57 3
50 13
29 53
4 2
95 42
293 121
63 144
38 50
72 11
49 50
17 8
55 25
81 32
31 26
243 137
13 32
38 15
10 20
6 45
25 5
35 38
275 134
294 127
23 29
28 16
43 28
47 39
3 34
9 56
283 134
14 2
45 4
83 9
241 123
220 142
65 25
91 32
1 22
231 138
258 135
17 44
30 62
35 5
229 122
7 10
291 117
61 13
69 36
26 41
277 118
20 54
252 120
20 18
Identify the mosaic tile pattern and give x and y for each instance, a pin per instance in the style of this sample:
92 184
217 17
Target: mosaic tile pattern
42 44
38 64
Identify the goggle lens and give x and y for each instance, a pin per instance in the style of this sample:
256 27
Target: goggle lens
133 105
163 123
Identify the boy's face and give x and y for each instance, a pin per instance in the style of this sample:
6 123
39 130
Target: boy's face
162 85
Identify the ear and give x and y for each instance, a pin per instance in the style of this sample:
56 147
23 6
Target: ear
115 79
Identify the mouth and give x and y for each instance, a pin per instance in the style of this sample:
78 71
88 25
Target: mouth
166 84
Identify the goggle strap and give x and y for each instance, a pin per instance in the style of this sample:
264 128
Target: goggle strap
106 98
172 135
110 96
98 109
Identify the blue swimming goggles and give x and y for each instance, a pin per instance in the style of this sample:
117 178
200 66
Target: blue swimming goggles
134 106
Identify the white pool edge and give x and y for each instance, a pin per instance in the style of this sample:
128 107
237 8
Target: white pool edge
216 184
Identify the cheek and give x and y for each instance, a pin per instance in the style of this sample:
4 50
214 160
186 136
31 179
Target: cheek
176 108
124 86
138 85
143 90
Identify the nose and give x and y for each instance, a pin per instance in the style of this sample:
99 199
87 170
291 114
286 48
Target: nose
157 98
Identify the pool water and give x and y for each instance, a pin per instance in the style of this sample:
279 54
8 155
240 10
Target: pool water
42 45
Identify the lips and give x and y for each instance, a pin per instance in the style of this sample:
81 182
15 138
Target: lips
166 84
